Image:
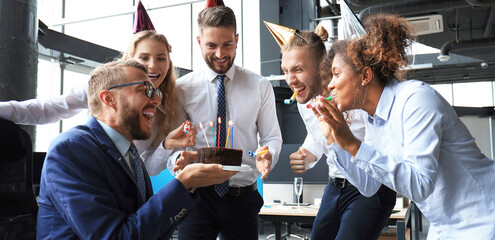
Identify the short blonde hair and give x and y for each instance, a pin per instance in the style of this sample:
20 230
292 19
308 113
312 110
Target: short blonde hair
107 75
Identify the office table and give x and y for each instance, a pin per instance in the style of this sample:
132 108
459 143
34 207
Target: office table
278 214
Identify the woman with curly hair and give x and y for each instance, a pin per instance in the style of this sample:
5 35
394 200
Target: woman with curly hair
343 208
415 143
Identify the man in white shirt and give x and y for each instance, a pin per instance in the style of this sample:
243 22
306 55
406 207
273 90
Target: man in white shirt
249 102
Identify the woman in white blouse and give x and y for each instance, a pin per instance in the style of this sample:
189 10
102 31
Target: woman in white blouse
151 49
415 143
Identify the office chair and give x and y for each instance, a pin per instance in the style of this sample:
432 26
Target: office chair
289 235
18 208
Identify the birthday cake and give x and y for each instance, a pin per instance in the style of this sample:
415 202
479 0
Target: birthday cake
224 156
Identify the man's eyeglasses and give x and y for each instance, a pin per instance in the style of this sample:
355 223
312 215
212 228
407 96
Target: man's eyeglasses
149 90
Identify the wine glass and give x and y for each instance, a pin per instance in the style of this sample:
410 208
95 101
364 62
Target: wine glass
298 187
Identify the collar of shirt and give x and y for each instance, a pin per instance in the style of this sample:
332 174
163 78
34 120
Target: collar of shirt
120 141
385 104
212 75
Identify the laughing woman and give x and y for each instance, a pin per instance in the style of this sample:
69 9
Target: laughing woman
416 144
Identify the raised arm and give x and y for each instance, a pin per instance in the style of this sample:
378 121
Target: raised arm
37 111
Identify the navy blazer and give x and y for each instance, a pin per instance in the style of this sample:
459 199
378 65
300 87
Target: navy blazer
87 191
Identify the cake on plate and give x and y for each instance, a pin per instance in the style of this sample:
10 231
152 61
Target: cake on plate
224 156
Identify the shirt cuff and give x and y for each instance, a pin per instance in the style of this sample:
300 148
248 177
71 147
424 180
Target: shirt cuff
336 152
172 160
163 152
6 110
315 150
363 156
311 164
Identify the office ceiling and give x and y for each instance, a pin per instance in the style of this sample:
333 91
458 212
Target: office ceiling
468 35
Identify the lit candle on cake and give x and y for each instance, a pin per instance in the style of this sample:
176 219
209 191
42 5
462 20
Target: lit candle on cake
232 138
213 132
201 126
228 133
219 123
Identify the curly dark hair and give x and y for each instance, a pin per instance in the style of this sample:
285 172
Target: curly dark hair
382 48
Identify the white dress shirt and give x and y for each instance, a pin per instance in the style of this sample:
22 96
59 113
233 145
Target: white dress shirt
423 151
39 111
250 104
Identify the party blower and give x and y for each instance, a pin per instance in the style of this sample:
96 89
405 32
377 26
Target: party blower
254 154
187 127
292 99
311 104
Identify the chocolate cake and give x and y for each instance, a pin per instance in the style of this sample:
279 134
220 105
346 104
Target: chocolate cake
225 156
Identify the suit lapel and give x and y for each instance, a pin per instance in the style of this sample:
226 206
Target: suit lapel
109 147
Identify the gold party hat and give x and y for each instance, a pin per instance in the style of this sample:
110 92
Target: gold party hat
282 34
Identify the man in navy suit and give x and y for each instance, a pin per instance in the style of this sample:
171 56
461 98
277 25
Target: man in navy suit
94 185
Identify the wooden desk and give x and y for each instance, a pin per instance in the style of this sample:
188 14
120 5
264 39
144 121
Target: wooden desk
278 214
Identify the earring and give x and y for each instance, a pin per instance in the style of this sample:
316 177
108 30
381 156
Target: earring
362 84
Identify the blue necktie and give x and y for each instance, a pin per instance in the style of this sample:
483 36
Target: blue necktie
138 166
222 188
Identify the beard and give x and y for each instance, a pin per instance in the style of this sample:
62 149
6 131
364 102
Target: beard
221 70
312 90
131 120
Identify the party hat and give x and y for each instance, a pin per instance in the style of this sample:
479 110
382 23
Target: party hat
214 3
282 34
142 21
351 26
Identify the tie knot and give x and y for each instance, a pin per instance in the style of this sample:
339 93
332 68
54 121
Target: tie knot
220 78
133 150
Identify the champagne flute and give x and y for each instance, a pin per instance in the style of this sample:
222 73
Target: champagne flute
298 187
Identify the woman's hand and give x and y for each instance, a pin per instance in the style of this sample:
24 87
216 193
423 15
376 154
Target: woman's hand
334 126
179 138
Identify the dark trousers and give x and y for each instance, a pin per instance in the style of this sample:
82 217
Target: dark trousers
229 217
346 214
18 227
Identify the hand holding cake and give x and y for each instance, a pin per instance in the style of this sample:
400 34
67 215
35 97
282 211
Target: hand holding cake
201 175
185 158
